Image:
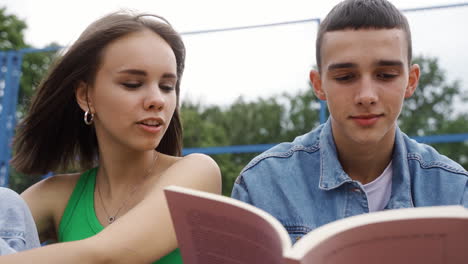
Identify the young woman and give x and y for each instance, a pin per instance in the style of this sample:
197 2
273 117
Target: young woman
110 106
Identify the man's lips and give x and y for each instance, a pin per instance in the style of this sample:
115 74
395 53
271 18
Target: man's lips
366 120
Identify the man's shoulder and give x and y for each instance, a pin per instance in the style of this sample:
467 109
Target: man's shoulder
429 158
435 178
286 151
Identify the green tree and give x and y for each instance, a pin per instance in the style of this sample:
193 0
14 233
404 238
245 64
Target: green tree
199 132
431 105
34 67
245 123
455 150
11 31
263 121
431 110
302 114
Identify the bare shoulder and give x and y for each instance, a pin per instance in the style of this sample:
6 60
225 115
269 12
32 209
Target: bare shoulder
48 198
198 160
197 171
56 186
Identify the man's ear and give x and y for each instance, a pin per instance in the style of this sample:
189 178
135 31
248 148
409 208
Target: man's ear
413 80
316 81
82 97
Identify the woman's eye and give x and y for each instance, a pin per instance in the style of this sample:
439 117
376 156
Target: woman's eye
166 87
132 84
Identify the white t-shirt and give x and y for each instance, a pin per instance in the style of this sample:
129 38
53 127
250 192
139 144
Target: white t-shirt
379 190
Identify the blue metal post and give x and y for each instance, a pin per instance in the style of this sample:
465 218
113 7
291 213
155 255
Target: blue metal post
11 71
3 147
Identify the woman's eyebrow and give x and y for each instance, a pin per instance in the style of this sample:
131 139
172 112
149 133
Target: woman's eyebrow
134 72
144 73
169 76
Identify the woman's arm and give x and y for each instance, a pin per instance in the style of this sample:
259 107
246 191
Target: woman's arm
142 235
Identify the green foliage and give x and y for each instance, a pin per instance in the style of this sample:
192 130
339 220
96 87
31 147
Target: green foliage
33 68
303 113
431 105
11 31
34 65
431 110
457 151
199 132
264 121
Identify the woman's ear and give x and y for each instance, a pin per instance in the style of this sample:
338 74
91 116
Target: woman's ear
82 97
317 85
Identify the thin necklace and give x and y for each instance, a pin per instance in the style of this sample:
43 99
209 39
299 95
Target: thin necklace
111 218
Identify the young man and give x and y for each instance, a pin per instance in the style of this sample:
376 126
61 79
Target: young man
358 161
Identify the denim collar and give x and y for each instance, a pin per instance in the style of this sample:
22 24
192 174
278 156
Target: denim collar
333 176
401 182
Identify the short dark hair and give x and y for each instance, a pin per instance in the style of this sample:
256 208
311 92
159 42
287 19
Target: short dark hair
53 136
362 14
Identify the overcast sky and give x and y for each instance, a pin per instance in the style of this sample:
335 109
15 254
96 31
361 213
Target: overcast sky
249 63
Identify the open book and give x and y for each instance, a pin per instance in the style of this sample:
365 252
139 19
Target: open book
213 229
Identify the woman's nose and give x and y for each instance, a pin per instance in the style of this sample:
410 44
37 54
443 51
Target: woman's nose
154 99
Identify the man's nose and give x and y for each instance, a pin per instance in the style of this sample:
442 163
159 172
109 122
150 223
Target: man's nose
367 93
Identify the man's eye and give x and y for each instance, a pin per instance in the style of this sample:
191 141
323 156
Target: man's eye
344 78
386 76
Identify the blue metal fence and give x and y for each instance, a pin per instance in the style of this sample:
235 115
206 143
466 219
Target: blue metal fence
10 72
262 147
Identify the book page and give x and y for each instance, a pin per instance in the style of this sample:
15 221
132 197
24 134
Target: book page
425 241
212 231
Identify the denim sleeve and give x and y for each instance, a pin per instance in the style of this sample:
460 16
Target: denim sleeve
464 201
17 228
240 192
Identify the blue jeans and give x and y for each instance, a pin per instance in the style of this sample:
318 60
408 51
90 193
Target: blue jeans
17 228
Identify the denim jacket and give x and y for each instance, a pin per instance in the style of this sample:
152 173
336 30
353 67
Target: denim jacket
303 184
17 229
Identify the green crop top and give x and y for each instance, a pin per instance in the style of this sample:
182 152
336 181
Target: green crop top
79 220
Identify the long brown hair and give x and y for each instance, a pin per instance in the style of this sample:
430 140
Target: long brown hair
53 136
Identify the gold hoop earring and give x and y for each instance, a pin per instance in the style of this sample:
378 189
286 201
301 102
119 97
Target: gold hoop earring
88 118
